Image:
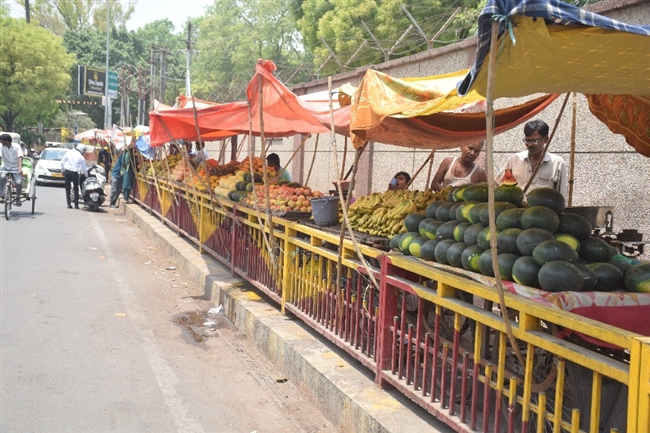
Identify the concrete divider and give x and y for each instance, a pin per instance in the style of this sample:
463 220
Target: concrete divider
345 394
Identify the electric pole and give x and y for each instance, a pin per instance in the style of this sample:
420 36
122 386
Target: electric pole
107 107
27 10
188 54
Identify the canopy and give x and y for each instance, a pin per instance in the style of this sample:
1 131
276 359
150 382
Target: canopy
426 112
284 114
568 50
93 134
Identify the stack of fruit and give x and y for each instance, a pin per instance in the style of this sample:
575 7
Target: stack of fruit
180 172
227 184
383 214
538 244
284 198
258 166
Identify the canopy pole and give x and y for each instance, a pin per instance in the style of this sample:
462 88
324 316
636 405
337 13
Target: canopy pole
295 152
345 154
313 158
168 175
260 86
250 162
489 129
346 222
573 148
428 185
241 146
429 158
548 143
268 146
222 152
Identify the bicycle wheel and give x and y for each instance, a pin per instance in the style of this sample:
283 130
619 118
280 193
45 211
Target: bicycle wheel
8 199
33 197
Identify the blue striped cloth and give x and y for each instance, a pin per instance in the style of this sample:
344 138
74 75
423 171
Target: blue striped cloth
554 11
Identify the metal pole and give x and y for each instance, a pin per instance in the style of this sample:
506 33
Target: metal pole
107 107
27 10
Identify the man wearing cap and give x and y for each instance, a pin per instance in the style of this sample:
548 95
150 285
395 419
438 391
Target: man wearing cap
71 164
12 165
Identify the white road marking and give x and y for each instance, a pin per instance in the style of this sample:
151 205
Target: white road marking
164 374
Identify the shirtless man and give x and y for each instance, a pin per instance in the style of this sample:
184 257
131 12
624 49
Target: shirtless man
460 170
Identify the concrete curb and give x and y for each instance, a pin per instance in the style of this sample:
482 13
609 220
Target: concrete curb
345 394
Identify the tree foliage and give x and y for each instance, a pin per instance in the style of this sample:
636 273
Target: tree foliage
233 35
34 71
63 15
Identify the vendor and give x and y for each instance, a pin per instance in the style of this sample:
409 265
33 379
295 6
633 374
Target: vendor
552 171
273 160
400 181
201 155
460 170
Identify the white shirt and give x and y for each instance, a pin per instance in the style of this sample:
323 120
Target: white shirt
73 161
551 173
11 157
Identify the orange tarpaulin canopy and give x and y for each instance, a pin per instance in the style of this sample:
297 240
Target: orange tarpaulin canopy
284 114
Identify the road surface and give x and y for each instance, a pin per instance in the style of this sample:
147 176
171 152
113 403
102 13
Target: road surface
98 335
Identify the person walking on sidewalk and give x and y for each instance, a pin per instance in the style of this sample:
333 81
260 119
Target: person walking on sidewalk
128 175
116 181
72 163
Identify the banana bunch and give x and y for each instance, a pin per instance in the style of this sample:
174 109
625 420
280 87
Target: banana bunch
443 193
382 214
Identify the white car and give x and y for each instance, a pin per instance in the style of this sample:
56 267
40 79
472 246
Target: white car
48 167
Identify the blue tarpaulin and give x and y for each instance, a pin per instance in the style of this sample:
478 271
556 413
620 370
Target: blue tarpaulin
144 146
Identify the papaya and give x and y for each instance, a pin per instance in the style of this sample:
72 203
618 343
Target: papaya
596 250
560 276
428 250
412 222
446 231
416 245
510 219
499 207
432 229
471 234
575 225
454 254
431 209
470 256
459 231
637 278
507 241
476 192
548 197
510 193
422 227
540 217
530 238
609 277
525 271
550 251
441 250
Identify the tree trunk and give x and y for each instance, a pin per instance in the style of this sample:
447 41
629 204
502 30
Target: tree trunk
8 120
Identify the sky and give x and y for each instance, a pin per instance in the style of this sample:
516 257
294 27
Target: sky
147 11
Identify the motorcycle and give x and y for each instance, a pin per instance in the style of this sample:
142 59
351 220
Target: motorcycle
92 188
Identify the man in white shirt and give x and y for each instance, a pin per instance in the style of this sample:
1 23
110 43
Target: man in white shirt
71 164
12 164
552 172
201 153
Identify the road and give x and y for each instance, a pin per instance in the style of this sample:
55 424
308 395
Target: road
98 335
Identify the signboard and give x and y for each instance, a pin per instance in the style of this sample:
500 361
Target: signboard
92 82
112 84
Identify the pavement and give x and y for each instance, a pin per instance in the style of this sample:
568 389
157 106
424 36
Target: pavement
341 388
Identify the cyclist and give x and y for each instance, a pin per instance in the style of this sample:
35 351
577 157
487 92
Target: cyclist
12 163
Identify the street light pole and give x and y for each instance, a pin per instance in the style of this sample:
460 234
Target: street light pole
107 107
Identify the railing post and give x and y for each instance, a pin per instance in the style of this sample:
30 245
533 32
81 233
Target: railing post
289 250
233 241
387 311
638 409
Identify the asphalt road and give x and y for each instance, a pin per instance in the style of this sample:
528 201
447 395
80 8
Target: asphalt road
97 335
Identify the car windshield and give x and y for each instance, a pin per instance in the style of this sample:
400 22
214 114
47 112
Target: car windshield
53 154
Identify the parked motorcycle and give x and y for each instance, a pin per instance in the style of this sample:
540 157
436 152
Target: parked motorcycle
92 189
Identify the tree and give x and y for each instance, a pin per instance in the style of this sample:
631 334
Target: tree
233 35
63 15
69 119
34 71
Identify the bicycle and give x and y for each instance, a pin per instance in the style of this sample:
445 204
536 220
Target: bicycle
28 192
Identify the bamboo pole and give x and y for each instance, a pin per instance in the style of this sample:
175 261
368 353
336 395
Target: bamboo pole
548 143
295 152
428 184
339 293
430 157
241 146
205 165
489 127
345 154
169 175
313 158
572 158
223 149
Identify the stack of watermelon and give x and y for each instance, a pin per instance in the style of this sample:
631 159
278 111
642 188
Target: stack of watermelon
538 244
